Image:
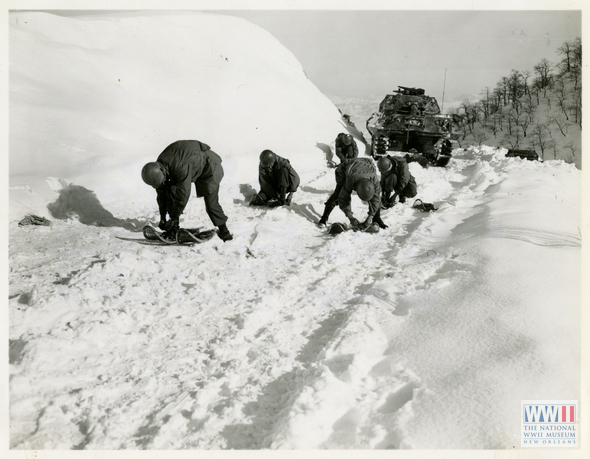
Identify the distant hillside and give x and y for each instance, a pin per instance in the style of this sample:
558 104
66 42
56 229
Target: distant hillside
548 127
539 110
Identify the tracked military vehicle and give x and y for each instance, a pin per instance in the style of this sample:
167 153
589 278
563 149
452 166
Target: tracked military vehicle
409 121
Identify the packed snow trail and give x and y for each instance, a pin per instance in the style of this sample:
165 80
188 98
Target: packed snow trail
287 338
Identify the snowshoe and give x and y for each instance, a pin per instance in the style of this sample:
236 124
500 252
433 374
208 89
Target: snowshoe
257 200
149 232
194 235
372 228
337 228
424 206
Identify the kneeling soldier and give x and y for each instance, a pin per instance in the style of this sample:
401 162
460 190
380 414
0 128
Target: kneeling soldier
396 177
278 181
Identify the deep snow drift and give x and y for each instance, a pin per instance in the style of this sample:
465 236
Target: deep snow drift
426 335
89 97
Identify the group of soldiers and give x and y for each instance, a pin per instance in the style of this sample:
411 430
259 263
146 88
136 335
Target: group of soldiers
185 162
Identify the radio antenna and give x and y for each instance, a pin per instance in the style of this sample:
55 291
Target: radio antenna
443 98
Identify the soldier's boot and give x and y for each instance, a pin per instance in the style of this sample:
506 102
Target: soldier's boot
385 201
325 215
289 198
282 193
324 219
224 233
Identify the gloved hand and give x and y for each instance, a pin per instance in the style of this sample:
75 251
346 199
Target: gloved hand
353 221
162 224
368 222
380 223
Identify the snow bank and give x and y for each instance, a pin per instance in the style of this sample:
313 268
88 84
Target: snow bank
425 335
92 100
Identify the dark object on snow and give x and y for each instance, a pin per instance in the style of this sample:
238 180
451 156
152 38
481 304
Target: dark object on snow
182 236
345 147
410 121
351 175
395 178
261 200
181 164
337 228
524 154
278 180
424 206
34 220
372 228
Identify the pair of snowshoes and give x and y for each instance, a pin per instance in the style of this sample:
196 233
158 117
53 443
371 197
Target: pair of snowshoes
182 236
337 228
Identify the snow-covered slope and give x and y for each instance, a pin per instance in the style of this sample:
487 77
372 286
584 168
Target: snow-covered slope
92 100
426 335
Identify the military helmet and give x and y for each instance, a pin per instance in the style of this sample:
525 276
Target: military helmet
267 158
347 139
365 190
384 164
152 174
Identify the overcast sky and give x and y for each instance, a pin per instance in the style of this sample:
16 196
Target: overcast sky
364 53
369 52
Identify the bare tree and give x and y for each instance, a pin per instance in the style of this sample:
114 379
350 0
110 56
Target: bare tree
515 86
524 120
543 70
480 135
570 146
560 92
566 50
526 75
529 109
576 106
541 137
513 139
577 53
536 89
561 123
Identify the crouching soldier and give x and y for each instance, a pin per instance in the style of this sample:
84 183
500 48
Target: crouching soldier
182 163
360 175
396 178
345 147
278 181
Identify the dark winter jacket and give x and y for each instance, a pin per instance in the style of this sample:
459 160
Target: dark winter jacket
351 172
345 151
401 171
185 162
281 174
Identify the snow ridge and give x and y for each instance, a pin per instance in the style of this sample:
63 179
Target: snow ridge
286 338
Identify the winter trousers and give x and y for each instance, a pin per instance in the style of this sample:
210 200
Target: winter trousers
213 208
272 188
389 184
